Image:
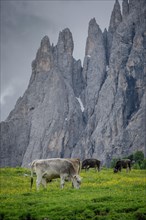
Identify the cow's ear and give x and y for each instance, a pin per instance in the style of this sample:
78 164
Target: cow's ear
77 177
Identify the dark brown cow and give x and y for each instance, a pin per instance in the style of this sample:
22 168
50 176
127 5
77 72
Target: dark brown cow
125 163
91 163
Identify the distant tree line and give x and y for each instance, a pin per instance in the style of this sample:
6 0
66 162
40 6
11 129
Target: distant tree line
137 158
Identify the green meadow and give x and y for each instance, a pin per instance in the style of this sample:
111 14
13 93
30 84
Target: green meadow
102 195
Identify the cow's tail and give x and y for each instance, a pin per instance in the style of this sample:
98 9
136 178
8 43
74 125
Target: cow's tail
31 181
80 165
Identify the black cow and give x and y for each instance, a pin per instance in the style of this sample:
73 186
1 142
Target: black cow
91 163
125 163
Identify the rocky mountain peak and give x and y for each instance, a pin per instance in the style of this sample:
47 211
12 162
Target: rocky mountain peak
94 37
125 8
44 57
45 44
65 42
116 17
93 27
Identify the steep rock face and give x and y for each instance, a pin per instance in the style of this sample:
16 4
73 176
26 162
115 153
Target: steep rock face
14 141
94 67
44 58
116 17
115 20
56 122
47 120
117 126
95 111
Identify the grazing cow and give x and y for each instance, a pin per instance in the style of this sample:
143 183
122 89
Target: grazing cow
76 163
48 169
77 166
125 163
91 163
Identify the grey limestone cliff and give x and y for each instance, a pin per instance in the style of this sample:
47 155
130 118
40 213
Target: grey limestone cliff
97 110
117 126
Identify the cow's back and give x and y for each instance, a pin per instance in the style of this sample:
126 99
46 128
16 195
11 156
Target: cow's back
76 163
54 166
90 163
126 163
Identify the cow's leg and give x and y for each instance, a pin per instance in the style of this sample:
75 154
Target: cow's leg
87 167
62 182
98 168
127 169
44 183
38 181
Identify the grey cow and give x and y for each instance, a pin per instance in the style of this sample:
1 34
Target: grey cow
48 169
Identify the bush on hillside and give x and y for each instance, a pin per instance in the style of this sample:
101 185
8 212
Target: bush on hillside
137 159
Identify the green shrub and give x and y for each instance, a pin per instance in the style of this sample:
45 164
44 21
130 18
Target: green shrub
143 165
131 157
136 166
138 157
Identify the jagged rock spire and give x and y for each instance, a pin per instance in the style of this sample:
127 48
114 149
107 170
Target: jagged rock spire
65 42
94 37
64 58
93 27
105 38
116 17
94 65
125 8
45 44
44 57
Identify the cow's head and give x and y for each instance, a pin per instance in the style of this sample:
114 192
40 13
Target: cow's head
115 170
76 180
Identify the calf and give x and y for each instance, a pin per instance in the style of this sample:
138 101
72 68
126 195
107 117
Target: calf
91 163
125 163
48 169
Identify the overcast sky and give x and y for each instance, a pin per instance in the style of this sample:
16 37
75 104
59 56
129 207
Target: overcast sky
24 23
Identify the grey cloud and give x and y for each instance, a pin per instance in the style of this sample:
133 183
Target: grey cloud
17 20
23 25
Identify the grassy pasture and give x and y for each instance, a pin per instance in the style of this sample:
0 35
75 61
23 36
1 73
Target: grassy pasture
103 196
